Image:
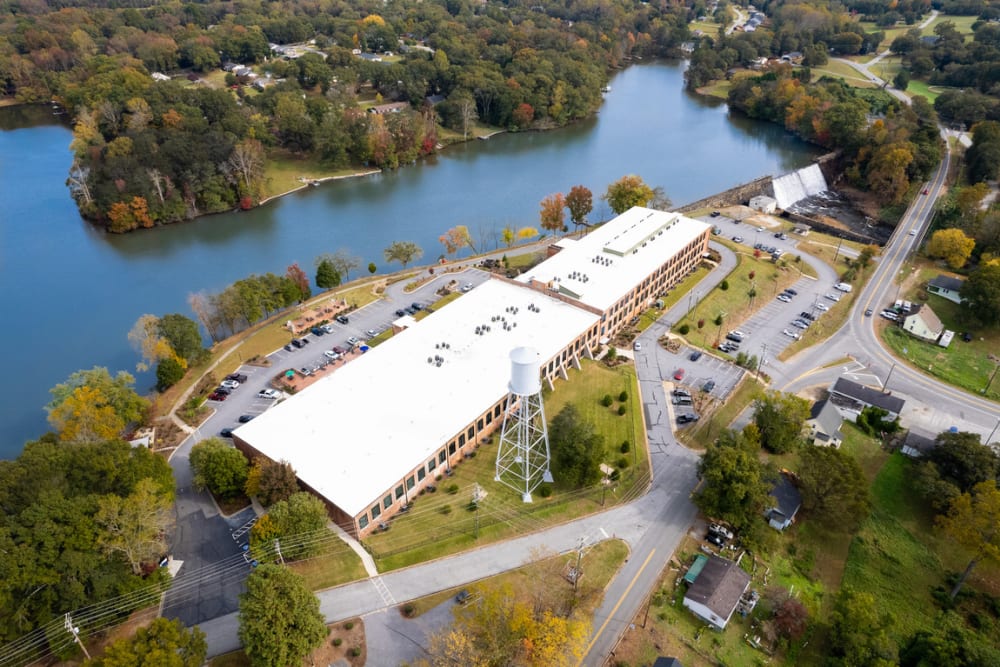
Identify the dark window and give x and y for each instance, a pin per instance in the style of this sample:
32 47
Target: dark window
442 455
451 447
461 440
363 521
410 483
471 432
399 492
421 474
497 410
489 417
387 501
479 424
431 465
376 512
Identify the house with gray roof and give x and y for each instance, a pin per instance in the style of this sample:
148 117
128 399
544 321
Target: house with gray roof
824 424
923 323
916 445
853 398
946 287
715 594
787 501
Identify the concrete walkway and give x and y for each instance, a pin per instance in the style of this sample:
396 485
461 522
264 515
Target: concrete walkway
366 558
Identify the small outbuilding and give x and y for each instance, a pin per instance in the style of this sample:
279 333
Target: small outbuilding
916 445
716 592
764 204
924 324
787 499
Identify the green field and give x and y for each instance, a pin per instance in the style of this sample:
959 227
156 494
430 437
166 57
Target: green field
442 522
284 172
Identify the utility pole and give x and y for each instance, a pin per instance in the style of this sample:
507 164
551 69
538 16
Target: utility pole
576 571
885 387
995 368
75 631
837 254
760 362
993 432
277 548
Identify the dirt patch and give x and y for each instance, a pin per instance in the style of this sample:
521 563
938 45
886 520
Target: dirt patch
344 640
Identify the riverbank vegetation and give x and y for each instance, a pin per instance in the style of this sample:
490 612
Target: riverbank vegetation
180 112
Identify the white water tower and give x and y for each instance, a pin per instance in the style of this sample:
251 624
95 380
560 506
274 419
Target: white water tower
523 454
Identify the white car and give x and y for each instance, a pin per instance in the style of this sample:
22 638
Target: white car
822 306
268 393
832 297
331 355
636 346
913 232
230 384
791 334
784 298
467 287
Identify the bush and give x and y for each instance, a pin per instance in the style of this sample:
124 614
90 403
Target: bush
545 491
452 489
355 652
607 401
724 285
622 462
408 609
626 446
622 410
614 476
337 641
349 625
683 329
445 509
623 396
168 373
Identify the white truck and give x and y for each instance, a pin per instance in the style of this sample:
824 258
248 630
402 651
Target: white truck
843 287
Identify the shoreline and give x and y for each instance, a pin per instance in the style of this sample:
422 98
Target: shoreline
309 182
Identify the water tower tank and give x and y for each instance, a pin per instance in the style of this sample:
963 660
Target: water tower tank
525 371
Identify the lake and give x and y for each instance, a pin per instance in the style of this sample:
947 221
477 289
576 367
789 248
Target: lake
71 292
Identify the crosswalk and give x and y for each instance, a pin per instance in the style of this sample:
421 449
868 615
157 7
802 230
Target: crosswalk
383 591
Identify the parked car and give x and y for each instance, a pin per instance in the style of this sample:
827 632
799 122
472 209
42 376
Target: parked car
245 418
216 396
636 346
695 356
467 287
789 290
708 386
239 377
791 334
682 392
226 433
738 239
296 343
327 328
715 539
317 331
801 324
342 319
720 530
822 306
268 393
330 354
306 371
223 390
352 341
715 214
679 374
289 347
831 296
371 333
339 350
784 298
400 313
416 306
889 315
230 384
687 418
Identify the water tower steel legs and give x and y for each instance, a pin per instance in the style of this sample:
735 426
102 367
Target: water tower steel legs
523 454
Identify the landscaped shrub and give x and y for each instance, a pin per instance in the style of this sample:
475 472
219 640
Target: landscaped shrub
337 641
623 396
445 509
349 625
724 285
622 410
355 652
683 329
452 489
623 463
614 476
625 447
545 491
607 401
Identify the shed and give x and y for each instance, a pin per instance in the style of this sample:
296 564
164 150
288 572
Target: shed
716 592
946 338
916 445
787 499
764 204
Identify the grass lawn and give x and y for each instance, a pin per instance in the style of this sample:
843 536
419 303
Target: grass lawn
718 89
443 522
963 24
284 170
837 69
733 304
338 564
962 364
922 88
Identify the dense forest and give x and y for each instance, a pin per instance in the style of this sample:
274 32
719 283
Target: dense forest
149 151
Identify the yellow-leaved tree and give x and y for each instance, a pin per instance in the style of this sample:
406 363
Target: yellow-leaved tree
973 521
951 245
86 416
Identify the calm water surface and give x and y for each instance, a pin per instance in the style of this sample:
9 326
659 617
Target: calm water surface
70 293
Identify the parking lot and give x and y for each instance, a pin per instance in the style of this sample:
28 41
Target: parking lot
707 367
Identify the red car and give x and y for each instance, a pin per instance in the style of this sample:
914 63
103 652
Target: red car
925 190
217 396
679 375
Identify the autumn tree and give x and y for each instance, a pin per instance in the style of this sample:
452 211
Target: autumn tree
270 481
92 406
219 467
780 417
626 192
499 629
181 333
456 238
834 487
135 525
580 202
791 617
280 620
973 522
887 172
403 252
152 347
245 166
299 278
164 643
552 215
951 245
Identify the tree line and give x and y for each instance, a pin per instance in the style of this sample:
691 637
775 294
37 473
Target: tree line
149 153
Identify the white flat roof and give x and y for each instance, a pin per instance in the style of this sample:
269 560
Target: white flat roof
357 432
604 265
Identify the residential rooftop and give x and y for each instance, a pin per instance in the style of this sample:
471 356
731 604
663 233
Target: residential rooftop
603 266
358 431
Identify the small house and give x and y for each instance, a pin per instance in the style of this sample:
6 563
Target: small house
946 287
852 397
787 501
916 445
824 424
923 323
716 591
392 107
764 204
